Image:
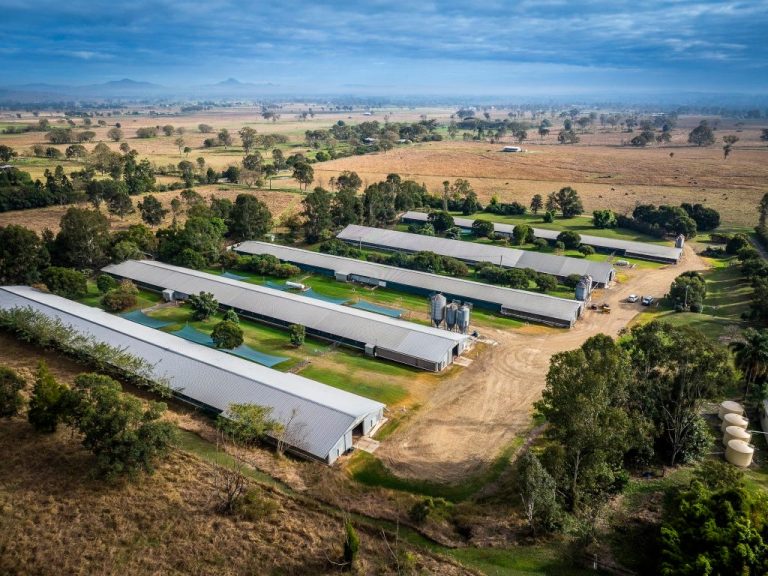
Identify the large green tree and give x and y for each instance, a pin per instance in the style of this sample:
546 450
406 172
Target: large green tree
711 530
227 334
152 211
585 402
125 437
675 370
83 239
317 214
22 255
249 218
567 201
346 207
751 356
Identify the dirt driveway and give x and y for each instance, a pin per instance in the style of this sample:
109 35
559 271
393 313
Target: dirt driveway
471 416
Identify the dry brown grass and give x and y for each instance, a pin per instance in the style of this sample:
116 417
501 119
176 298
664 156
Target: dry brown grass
606 174
55 519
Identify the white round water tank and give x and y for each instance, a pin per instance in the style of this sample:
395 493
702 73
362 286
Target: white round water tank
730 407
736 433
739 453
734 420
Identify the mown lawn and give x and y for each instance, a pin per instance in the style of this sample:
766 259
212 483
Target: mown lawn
580 224
411 304
728 297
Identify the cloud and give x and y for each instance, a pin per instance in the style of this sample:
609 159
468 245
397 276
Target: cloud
338 43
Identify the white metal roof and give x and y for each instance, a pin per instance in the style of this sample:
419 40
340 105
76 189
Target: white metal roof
562 266
211 377
639 249
415 340
559 309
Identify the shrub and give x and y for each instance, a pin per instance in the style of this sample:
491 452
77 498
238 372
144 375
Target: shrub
569 239
11 385
546 282
559 246
586 249
298 334
117 300
65 282
247 424
736 243
421 510
204 305
540 243
105 283
482 228
46 406
549 217
227 334
125 437
351 543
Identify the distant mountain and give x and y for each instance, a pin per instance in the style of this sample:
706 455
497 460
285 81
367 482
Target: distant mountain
229 82
127 83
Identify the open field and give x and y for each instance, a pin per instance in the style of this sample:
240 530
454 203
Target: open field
57 520
728 297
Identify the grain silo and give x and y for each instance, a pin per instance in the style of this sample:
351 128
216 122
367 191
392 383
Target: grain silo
736 433
451 315
680 241
584 288
463 317
734 420
437 309
730 407
739 453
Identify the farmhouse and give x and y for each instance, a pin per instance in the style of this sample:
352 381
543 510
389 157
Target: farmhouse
397 340
601 273
640 250
521 304
322 420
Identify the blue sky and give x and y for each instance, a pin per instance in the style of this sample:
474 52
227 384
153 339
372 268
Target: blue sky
541 47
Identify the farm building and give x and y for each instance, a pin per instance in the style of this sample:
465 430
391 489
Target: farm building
512 149
602 273
517 303
323 420
632 249
397 340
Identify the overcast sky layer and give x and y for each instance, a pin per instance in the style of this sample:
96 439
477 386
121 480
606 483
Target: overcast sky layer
541 47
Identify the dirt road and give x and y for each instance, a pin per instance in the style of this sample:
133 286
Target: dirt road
474 414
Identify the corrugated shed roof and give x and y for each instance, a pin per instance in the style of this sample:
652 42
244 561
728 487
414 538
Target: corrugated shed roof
653 251
475 252
522 301
210 377
415 340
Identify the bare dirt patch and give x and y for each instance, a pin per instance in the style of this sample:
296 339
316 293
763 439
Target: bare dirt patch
472 415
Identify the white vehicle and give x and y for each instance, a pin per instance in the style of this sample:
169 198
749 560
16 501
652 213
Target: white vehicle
632 298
